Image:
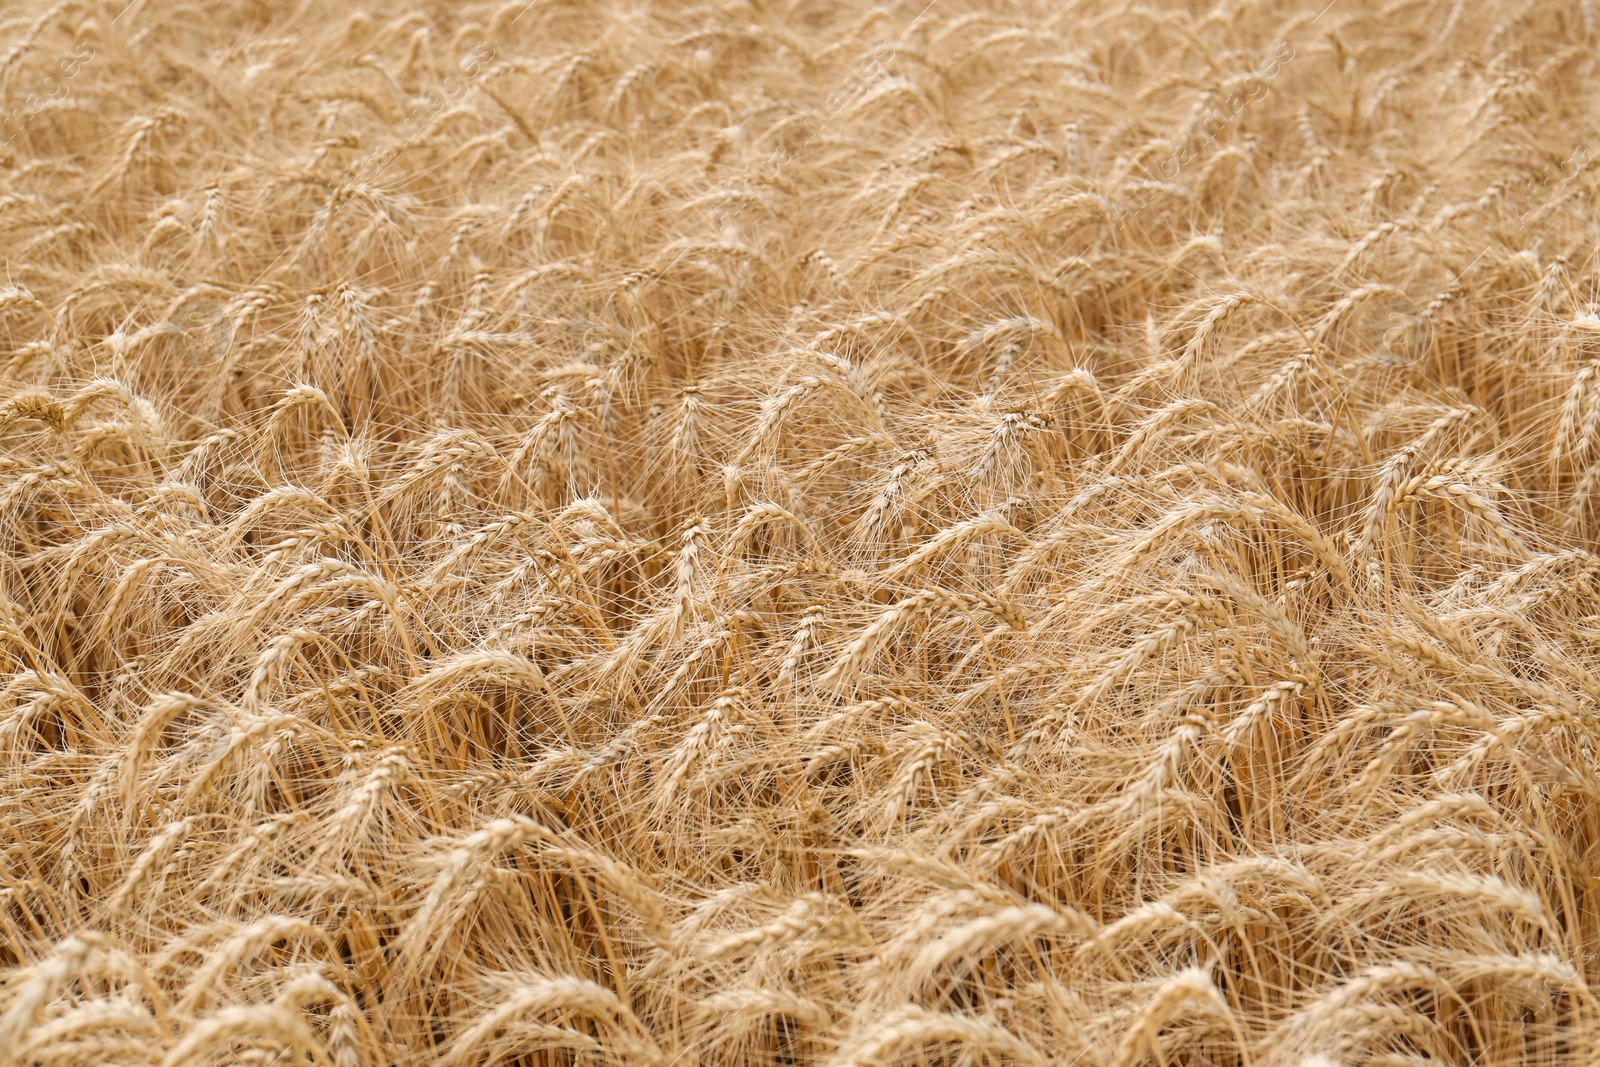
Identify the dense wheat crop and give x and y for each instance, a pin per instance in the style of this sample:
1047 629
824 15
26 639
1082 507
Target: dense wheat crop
750 532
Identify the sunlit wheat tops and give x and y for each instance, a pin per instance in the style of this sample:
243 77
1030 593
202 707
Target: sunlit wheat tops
718 534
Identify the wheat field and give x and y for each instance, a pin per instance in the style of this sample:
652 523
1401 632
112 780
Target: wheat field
697 533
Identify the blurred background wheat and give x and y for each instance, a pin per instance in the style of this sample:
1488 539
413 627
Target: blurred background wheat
750 532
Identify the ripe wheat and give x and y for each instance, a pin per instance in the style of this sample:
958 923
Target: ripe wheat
735 533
